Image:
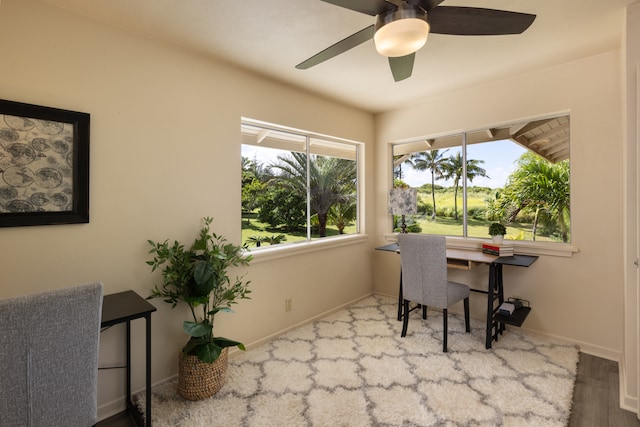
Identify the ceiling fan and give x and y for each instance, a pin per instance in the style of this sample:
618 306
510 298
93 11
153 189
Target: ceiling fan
402 27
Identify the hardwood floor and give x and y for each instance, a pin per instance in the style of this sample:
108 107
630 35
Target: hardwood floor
122 419
595 398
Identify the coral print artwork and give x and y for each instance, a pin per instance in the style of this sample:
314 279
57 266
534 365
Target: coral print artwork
36 165
44 165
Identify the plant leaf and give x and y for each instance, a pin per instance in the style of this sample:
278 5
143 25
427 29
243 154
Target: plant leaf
204 279
196 329
223 342
208 353
194 343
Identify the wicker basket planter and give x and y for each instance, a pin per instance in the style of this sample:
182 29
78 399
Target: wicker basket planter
198 380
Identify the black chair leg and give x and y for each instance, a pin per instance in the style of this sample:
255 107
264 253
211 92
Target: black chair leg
424 311
444 327
405 318
400 298
467 324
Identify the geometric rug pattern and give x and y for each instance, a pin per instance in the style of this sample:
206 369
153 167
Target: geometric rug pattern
353 369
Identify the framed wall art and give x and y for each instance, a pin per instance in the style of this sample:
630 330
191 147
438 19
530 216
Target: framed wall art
44 165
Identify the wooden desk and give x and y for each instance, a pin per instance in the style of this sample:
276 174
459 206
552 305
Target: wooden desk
125 307
466 259
462 259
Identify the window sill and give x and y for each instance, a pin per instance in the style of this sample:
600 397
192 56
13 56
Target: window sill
520 247
289 249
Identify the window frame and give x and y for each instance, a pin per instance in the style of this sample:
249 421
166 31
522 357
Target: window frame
310 243
530 247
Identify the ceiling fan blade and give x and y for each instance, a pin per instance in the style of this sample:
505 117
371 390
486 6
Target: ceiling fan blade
402 66
370 7
336 49
476 21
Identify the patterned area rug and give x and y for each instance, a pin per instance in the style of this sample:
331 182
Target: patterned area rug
353 369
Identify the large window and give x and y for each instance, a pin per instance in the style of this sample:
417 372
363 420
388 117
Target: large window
516 174
296 186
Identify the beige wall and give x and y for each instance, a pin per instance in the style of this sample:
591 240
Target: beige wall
629 377
165 152
165 132
580 298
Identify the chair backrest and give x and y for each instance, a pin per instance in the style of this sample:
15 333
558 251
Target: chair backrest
424 268
49 357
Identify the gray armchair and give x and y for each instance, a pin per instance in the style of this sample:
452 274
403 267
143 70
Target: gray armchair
424 278
49 357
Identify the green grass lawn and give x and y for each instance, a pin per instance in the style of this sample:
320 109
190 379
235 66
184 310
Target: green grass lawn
446 226
475 228
444 223
253 227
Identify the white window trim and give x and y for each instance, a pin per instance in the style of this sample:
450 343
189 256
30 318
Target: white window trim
521 247
303 247
281 250
524 247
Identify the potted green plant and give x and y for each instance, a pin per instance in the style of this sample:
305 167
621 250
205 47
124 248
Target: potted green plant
198 277
497 232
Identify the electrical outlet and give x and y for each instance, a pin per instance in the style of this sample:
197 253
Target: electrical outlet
288 304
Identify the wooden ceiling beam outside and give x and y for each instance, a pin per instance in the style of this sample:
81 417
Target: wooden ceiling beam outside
548 138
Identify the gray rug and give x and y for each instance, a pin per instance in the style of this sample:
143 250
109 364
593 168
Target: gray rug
353 369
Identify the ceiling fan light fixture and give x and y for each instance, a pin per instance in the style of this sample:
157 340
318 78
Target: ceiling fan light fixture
402 31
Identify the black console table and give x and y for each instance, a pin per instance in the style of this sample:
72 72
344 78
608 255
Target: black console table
125 307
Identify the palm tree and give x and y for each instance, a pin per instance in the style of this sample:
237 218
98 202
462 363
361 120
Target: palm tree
453 170
433 161
538 185
253 169
341 214
331 180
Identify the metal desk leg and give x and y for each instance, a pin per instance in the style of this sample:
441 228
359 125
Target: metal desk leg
501 327
148 374
128 362
495 292
491 285
141 421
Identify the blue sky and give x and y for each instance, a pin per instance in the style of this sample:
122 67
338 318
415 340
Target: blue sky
499 162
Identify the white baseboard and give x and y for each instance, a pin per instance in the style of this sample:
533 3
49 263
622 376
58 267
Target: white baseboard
235 351
112 408
629 403
594 350
119 405
626 402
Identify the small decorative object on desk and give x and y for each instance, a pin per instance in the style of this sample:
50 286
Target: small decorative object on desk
497 232
403 201
198 277
499 250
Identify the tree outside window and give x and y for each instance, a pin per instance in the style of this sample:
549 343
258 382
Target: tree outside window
296 186
516 174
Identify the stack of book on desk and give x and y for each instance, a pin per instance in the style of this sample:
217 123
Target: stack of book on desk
499 250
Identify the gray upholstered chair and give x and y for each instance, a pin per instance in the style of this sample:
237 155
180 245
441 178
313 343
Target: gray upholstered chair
424 278
49 357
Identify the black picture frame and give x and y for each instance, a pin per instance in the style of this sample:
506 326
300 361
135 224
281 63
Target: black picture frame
44 165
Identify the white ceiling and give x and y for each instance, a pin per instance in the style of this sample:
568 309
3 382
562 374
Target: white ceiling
272 36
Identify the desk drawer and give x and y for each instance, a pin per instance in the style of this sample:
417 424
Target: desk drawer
461 264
